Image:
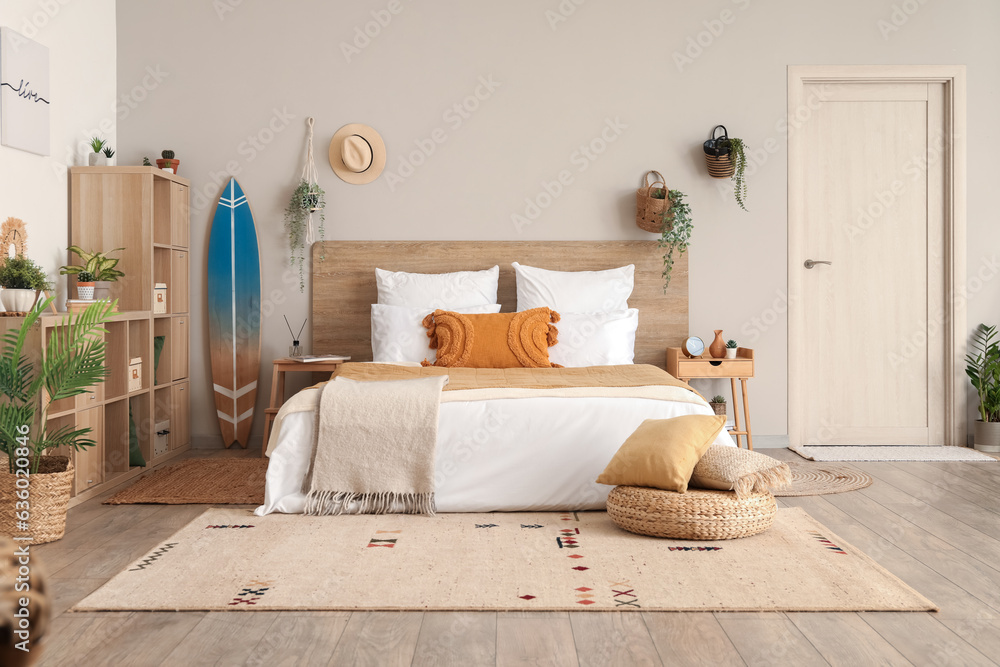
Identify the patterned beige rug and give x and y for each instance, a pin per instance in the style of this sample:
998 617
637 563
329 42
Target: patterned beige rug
228 559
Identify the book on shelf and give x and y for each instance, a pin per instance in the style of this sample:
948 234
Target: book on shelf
311 358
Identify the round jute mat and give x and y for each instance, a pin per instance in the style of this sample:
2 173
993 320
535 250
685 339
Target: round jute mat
817 479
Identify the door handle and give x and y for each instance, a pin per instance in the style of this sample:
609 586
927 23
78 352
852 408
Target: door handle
809 263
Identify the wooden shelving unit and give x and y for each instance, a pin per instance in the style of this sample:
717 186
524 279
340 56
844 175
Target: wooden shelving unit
146 211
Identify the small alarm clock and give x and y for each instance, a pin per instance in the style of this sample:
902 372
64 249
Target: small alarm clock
693 347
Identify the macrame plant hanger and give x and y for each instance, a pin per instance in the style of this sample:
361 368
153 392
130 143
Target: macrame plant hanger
309 176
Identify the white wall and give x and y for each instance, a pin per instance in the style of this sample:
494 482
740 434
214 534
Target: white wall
239 77
80 35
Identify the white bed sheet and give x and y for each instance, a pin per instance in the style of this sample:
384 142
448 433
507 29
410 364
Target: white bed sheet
523 454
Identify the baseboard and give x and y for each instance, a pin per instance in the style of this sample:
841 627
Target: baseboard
770 441
215 442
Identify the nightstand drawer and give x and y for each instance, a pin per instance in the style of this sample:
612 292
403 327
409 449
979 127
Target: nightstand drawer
707 368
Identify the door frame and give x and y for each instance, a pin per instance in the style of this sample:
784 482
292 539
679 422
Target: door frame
954 157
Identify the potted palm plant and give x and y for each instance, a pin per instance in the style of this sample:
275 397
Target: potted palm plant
99 267
21 279
70 364
983 369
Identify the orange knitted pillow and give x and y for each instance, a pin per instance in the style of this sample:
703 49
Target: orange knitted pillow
492 340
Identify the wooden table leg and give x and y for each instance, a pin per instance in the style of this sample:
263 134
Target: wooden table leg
277 398
736 412
746 412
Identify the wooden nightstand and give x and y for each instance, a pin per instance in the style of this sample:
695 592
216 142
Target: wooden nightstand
289 365
741 368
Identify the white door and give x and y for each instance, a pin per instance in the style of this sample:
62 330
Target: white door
869 237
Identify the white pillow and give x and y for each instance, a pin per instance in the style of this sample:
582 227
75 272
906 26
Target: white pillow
398 333
596 339
574 291
430 291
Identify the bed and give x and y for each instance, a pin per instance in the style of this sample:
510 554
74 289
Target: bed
512 448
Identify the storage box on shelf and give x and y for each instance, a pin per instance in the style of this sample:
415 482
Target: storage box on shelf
145 211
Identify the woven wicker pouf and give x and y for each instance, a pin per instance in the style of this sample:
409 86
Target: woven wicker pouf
698 514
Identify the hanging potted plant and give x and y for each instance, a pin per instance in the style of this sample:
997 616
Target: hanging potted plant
72 363
675 232
168 163
725 157
308 199
983 369
22 280
95 159
99 266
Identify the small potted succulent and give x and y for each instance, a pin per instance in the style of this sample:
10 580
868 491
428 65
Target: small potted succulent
85 286
168 163
99 267
95 159
718 404
109 154
21 279
731 349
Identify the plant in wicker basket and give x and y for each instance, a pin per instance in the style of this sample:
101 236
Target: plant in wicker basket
675 234
718 404
726 157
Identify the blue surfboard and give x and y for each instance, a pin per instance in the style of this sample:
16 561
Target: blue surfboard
234 313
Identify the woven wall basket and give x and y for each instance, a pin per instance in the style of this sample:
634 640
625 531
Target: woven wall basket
648 209
48 497
721 166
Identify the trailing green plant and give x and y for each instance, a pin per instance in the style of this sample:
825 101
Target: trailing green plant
731 344
109 151
676 232
738 149
97 144
98 264
167 155
72 363
84 277
718 398
308 198
983 369
146 162
22 273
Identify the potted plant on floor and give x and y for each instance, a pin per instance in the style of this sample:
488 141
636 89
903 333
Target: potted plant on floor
675 234
71 363
168 163
718 404
983 369
726 157
307 200
97 145
21 279
731 348
99 266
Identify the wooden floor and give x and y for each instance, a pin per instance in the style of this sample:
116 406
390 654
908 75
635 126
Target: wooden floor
935 525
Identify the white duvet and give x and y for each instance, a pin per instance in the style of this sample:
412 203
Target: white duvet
524 453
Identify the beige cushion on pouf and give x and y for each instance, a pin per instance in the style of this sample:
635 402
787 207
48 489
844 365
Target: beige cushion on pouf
695 515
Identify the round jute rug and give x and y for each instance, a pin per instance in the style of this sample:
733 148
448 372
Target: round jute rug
817 479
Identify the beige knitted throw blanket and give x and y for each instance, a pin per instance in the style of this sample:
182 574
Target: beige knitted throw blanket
375 447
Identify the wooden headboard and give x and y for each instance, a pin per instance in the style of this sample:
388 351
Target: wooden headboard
343 284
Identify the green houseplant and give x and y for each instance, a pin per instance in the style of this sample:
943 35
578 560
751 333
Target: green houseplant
109 154
726 158
983 369
675 234
731 349
72 361
96 145
21 279
307 199
718 404
98 266
168 163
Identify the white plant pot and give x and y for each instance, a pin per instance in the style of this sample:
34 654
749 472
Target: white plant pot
95 160
986 436
730 353
169 169
17 300
102 290
85 292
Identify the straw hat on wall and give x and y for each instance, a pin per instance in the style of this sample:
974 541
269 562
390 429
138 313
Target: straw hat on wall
357 154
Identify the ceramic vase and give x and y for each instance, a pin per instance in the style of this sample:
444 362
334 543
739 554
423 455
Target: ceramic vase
85 291
730 353
102 290
17 300
718 347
